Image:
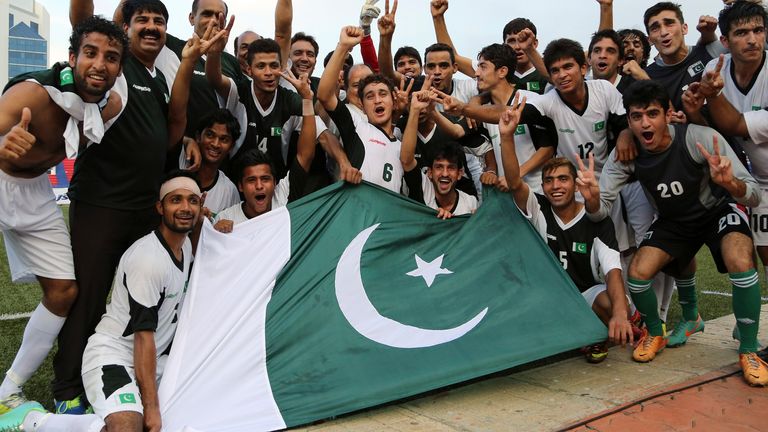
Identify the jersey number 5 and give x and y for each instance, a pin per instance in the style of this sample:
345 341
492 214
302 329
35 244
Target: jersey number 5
563 255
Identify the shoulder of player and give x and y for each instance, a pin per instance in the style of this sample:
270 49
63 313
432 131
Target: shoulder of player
174 44
143 255
28 94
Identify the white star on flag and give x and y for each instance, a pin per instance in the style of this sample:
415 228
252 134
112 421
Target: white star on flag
429 270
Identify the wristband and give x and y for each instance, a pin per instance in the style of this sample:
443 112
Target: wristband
307 107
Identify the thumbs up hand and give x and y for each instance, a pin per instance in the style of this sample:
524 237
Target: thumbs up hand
17 142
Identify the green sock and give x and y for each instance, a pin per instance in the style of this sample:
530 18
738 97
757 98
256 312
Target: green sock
645 301
686 295
746 308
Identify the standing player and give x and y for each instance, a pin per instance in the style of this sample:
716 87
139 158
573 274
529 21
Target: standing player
445 165
587 250
519 34
262 190
368 140
694 179
737 98
677 65
124 357
115 184
38 129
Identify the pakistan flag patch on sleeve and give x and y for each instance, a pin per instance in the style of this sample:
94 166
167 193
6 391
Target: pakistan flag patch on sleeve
127 398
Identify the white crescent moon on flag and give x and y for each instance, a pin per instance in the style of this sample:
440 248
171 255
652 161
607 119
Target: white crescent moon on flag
366 320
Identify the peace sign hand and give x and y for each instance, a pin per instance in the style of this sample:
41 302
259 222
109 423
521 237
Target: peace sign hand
587 181
720 168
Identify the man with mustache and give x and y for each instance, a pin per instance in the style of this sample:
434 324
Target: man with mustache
115 184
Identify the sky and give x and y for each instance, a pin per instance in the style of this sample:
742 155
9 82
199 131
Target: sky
473 24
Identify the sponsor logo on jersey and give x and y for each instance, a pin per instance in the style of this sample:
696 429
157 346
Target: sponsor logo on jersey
579 248
252 124
197 72
599 126
520 130
566 130
756 108
127 398
167 97
494 136
275 131
533 86
696 68
375 141
551 237
648 235
66 77
141 88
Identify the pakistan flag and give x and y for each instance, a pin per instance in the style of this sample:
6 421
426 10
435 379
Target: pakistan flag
355 296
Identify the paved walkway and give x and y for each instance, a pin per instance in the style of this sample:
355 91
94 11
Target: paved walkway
570 392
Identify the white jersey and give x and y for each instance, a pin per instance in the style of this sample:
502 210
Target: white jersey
369 148
754 98
147 292
524 144
222 194
279 199
582 133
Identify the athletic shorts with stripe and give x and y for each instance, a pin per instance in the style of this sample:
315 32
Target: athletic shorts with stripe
683 241
111 389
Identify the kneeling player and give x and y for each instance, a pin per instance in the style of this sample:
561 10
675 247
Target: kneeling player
437 187
695 180
587 250
125 357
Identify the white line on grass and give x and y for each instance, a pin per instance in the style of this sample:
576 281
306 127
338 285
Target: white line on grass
10 317
725 294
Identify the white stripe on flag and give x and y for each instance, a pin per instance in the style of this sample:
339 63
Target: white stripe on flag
221 329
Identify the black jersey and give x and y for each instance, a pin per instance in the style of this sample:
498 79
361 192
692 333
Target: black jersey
124 171
676 78
587 250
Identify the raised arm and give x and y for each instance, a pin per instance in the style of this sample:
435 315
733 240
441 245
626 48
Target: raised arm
17 107
438 9
606 15
386 26
727 119
368 13
192 51
419 102
283 29
508 122
213 73
305 149
473 110
79 10
326 90
526 40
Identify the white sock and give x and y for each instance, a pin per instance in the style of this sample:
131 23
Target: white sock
39 335
46 422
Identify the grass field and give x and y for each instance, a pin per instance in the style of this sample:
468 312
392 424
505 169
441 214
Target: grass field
18 299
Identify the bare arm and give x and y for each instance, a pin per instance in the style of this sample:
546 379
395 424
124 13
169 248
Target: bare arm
508 122
537 160
619 328
606 15
453 130
283 29
79 10
473 110
326 90
419 102
526 40
386 26
213 73
145 364
438 8
305 148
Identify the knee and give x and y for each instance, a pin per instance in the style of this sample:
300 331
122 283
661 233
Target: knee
639 272
59 294
739 263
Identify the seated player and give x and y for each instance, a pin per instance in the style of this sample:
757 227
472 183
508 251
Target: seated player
695 180
437 187
216 134
123 360
588 250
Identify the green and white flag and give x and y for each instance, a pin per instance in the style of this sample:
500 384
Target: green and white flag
355 296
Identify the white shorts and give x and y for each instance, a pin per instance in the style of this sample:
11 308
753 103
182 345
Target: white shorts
759 220
112 389
591 294
36 236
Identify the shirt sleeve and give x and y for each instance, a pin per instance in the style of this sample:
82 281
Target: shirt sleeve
605 248
757 126
347 125
143 278
368 51
413 181
613 177
706 137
